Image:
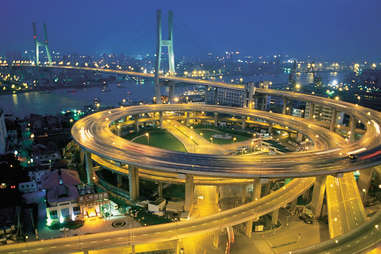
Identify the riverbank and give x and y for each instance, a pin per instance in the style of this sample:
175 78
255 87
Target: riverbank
49 89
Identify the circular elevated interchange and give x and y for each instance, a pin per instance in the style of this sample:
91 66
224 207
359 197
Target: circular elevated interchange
94 135
330 156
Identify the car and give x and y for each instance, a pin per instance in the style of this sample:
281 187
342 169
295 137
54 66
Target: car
352 157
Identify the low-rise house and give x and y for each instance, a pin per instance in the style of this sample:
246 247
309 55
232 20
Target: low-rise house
157 206
61 195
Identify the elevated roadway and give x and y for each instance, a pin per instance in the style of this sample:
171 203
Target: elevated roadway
169 231
345 208
362 239
93 134
193 142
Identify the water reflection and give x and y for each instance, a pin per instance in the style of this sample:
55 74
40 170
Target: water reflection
55 101
15 99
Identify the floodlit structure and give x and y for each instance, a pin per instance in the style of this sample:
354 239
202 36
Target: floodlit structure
164 43
328 167
41 44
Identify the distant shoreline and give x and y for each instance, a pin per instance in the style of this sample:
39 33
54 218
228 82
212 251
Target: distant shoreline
49 89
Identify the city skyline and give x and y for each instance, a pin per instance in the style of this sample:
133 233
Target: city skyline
328 29
241 132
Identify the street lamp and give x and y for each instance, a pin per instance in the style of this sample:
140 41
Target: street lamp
234 139
147 135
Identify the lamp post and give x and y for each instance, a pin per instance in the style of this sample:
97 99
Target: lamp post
147 135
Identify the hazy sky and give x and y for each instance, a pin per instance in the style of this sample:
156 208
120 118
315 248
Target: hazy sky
330 28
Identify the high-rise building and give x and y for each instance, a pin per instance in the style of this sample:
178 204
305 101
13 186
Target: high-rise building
225 96
239 97
321 113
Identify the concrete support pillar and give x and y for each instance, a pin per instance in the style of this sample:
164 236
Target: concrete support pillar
118 130
255 102
161 119
263 104
178 246
216 239
133 177
274 217
82 156
377 171
189 192
333 120
318 196
119 180
171 93
352 128
243 124
364 182
306 195
267 102
251 103
186 118
137 123
160 189
89 168
293 205
215 119
285 102
243 194
267 189
249 228
312 110
257 189
249 92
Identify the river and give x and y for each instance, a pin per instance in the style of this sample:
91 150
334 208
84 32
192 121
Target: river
52 102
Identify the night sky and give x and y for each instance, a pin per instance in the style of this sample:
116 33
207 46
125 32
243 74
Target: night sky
343 29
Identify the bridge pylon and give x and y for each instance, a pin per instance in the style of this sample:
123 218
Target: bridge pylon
163 43
39 44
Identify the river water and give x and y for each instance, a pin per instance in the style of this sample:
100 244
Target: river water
52 102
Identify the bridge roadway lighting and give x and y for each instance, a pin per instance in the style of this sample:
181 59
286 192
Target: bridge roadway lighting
240 109
223 163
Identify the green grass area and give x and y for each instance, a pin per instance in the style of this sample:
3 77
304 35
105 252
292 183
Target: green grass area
159 138
208 133
145 217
